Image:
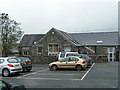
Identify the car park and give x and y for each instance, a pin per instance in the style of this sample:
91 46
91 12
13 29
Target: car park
72 62
10 86
25 63
9 65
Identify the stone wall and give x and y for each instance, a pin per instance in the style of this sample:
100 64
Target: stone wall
42 59
52 38
99 58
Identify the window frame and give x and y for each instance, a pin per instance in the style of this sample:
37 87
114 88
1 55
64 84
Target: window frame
39 53
26 53
75 59
54 50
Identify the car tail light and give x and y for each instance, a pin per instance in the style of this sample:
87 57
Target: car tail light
24 63
10 65
83 62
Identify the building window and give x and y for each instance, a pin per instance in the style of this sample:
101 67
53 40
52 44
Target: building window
112 50
26 53
53 49
67 49
39 50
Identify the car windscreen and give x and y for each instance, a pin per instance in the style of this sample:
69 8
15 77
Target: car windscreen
62 55
13 60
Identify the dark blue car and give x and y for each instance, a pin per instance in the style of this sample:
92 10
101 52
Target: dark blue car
25 63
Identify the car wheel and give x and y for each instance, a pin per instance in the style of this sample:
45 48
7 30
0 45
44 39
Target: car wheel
54 68
23 70
28 70
79 68
5 72
17 73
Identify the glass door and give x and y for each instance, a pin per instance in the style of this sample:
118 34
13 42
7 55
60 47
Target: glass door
111 54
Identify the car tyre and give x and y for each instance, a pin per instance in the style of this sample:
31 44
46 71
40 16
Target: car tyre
28 70
23 70
54 68
79 68
5 72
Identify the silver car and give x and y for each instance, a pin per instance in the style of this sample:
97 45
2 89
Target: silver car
9 66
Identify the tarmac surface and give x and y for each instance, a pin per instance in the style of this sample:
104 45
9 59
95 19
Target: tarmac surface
100 75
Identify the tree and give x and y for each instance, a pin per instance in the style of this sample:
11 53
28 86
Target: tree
11 33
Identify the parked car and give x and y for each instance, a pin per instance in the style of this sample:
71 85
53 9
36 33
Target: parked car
9 65
25 63
87 58
83 56
66 54
9 86
69 62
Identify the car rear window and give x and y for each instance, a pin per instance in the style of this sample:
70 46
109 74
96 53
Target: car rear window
1 61
84 57
13 60
19 59
27 59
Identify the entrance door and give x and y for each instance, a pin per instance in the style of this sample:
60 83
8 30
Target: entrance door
111 54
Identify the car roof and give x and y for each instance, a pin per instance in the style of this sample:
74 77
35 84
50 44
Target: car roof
72 56
83 54
6 57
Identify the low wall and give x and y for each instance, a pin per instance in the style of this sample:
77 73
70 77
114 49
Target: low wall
99 58
42 59
49 59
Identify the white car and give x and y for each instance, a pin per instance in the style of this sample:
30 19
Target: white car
66 54
9 66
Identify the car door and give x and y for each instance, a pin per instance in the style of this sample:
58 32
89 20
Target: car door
72 62
63 63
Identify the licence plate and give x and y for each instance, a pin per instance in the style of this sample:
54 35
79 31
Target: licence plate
29 63
17 65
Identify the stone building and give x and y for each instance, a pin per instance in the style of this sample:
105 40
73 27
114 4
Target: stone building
101 46
0 47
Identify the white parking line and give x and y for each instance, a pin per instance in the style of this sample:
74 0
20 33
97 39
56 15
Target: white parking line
32 73
87 72
50 79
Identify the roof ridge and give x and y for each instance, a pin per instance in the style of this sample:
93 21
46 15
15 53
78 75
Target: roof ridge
94 32
34 34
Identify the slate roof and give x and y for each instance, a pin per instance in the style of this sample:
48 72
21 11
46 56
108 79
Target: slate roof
29 39
67 37
107 38
78 39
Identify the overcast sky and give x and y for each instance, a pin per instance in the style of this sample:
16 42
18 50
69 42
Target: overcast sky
73 16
